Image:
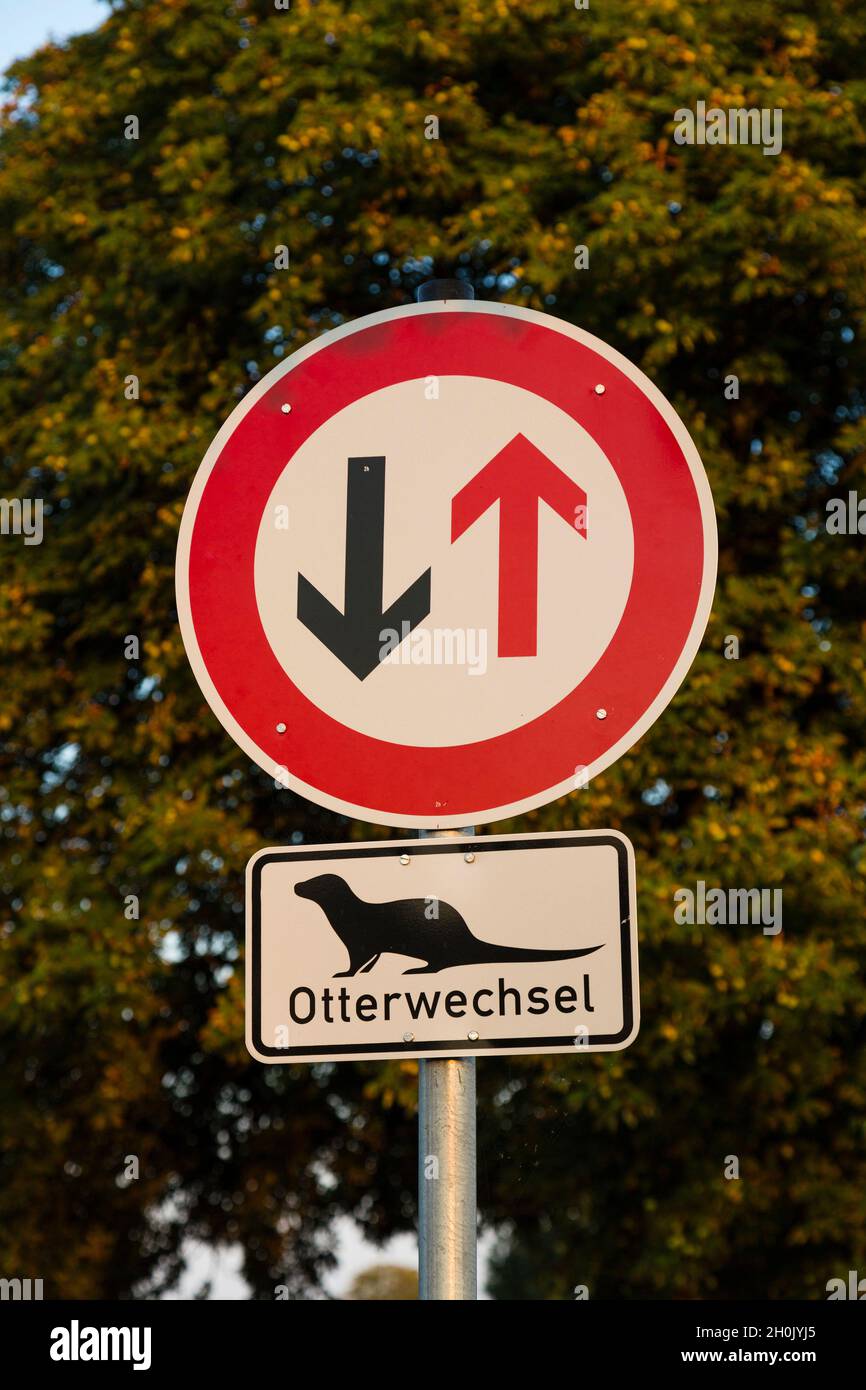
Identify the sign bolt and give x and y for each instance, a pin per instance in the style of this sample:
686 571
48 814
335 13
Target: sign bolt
281 728
404 859
601 714
599 390
408 1037
473 1036
287 409
470 858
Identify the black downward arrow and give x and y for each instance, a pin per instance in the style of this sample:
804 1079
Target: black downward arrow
355 635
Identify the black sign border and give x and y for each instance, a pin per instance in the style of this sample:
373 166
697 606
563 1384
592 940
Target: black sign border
482 844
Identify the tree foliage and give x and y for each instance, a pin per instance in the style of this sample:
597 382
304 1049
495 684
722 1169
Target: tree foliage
155 258
384 1282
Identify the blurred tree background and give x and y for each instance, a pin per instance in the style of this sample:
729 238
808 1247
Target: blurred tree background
391 1283
154 257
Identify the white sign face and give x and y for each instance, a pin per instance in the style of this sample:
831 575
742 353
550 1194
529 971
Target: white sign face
453 946
445 564
446 681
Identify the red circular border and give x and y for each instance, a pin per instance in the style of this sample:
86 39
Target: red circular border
403 780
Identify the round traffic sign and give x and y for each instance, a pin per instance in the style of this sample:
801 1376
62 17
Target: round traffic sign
445 564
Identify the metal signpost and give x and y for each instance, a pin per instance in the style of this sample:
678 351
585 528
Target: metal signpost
447 1147
439 567
447 1215
447 1116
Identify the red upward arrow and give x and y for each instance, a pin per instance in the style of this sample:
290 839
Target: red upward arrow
519 477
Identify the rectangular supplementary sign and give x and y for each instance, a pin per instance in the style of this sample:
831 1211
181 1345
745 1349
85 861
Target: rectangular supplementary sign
453 946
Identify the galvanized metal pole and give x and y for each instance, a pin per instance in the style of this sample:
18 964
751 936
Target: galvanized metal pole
447 1254
447 1216
447 1221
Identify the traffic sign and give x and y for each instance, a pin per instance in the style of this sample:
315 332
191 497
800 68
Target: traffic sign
450 946
445 564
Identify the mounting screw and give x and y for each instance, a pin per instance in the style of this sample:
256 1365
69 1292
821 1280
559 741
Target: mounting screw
473 1036
601 714
281 728
287 409
599 389
470 858
408 1037
404 859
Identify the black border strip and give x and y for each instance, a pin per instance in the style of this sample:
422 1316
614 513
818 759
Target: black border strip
482 844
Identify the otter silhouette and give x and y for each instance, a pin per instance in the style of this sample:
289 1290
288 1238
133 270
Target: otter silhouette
370 930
